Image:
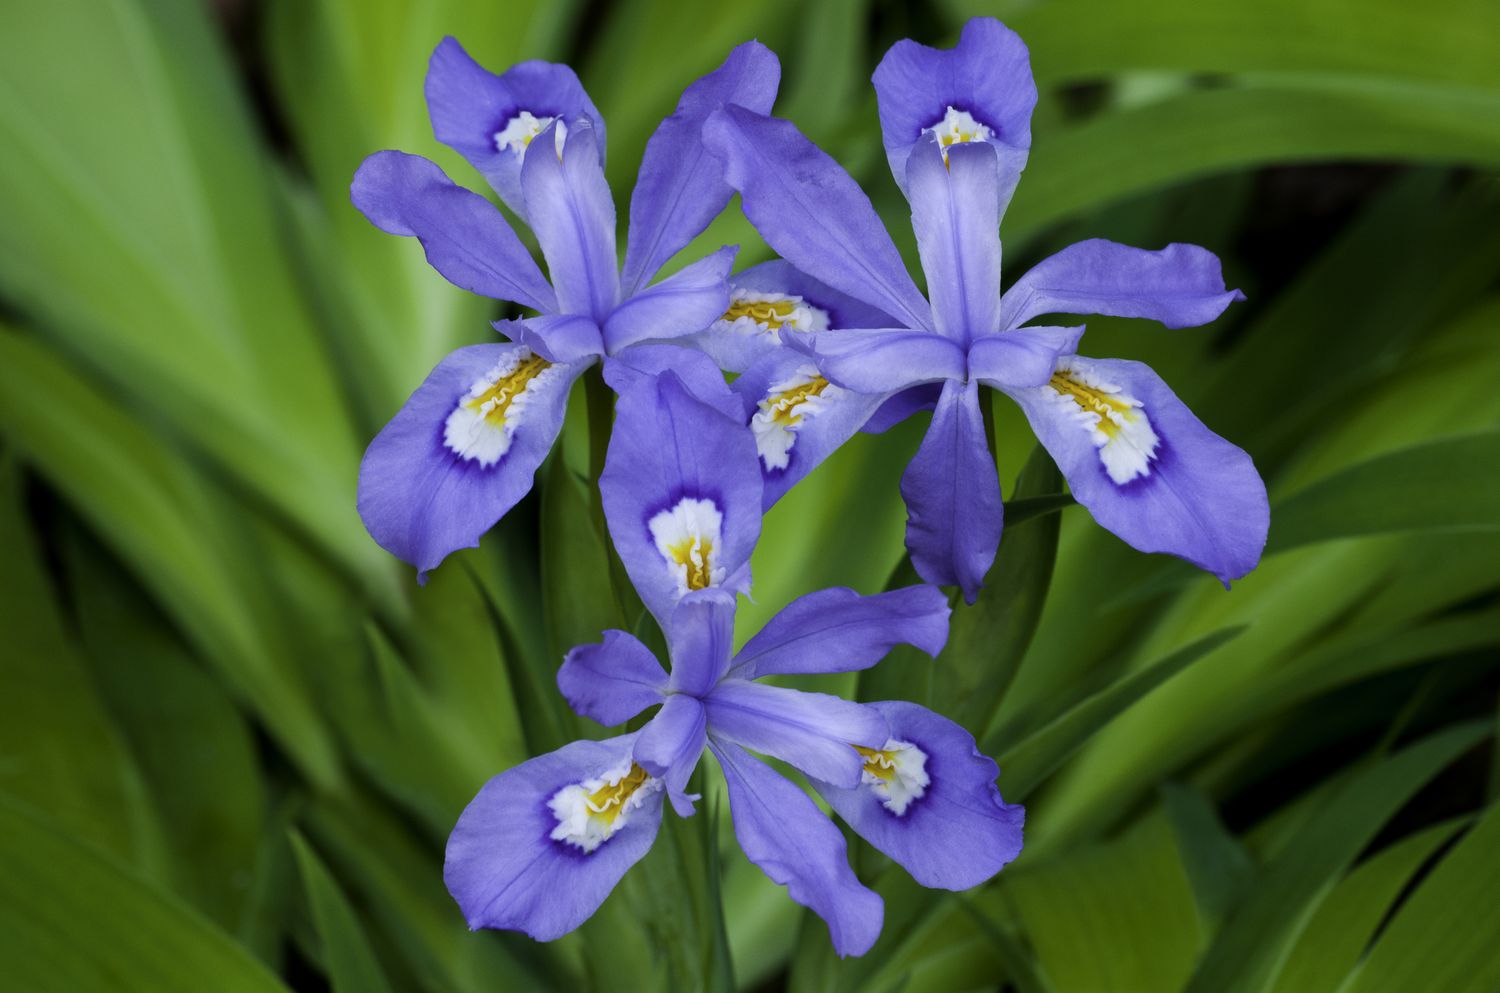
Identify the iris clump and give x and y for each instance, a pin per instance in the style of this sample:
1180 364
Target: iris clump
831 338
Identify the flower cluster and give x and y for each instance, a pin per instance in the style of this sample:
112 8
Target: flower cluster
832 338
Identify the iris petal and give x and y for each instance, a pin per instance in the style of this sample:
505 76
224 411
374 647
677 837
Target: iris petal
506 870
781 830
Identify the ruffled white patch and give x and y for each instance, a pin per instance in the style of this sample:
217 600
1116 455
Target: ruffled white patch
688 537
1116 422
897 774
591 812
485 419
519 131
769 314
956 127
784 410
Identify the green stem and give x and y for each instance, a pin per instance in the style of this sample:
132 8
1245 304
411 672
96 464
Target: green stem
601 418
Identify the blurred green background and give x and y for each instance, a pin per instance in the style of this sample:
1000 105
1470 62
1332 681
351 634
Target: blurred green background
234 735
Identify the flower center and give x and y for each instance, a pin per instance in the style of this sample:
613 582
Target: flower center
687 536
769 313
957 127
897 774
782 410
591 812
484 421
1116 422
519 131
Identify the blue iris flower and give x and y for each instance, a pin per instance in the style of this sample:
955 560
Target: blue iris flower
542 845
465 448
956 127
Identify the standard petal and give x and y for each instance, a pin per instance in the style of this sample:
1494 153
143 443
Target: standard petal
953 831
839 630
798 418
952 493
670 745
815 732
701 639
681 491
1146 468
697 371
781 830
1021 358
573 217
612 681
506 865
465 237
681 187
983 83
955 213
883 360
811 212
774 300
490 119
462 450
556 337
684 303
1182 285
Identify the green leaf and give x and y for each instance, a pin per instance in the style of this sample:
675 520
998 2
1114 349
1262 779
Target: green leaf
71 920
1340 931
1446 936
1451 484
989 639
1259 934
350 961
1204 132
60 750
1217 865
1030 760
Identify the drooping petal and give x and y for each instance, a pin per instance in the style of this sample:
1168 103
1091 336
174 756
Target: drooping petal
612 681
798 418
883 360
670 745
952 493
901 406
573 216
981 90
681 187
681 491
684 303
556 337
490 120
838 630
465 237
701 639
1146 468
781 830
697 371
815 732
773 300
1022 357
517 857
462 450
1181 286
929 801
955 213
811 212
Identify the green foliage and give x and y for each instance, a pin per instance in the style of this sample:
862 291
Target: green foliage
234 733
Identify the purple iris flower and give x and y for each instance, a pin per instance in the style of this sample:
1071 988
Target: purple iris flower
956 127
543 844
465 447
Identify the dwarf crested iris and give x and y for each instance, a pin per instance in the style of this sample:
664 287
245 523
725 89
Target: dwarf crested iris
467 444
956 126
543 844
